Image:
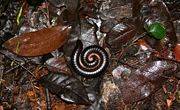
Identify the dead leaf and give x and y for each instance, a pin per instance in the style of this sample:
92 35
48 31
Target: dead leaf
177 52
58 65
144 46
1 108
120 34
59 106
30 94
63 106
38 43
138 84
169 102
66 87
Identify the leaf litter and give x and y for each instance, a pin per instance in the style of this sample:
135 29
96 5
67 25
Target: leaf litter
38 37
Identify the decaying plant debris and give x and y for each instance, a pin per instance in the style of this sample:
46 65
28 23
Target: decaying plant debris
37 39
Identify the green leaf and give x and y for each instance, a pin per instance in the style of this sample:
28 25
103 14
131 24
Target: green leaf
157 30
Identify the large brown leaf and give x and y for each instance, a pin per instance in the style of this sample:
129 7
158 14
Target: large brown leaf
38 43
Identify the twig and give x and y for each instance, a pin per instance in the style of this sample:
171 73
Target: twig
48 100
1 74
9 70
135 39
20 65
47 7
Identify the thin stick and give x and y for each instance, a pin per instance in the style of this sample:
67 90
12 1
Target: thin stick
48 100
20 65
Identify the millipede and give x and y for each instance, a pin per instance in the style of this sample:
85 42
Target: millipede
90 61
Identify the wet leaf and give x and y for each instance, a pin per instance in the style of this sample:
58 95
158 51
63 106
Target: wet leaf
96 105
137 84
156 69
120 34
117 9
38 43
65 87
57 65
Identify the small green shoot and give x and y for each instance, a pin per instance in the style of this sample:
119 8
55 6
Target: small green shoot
19 14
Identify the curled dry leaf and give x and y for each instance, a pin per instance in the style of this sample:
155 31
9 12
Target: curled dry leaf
38 43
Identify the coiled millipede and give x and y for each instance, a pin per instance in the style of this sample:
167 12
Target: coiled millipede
89 62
